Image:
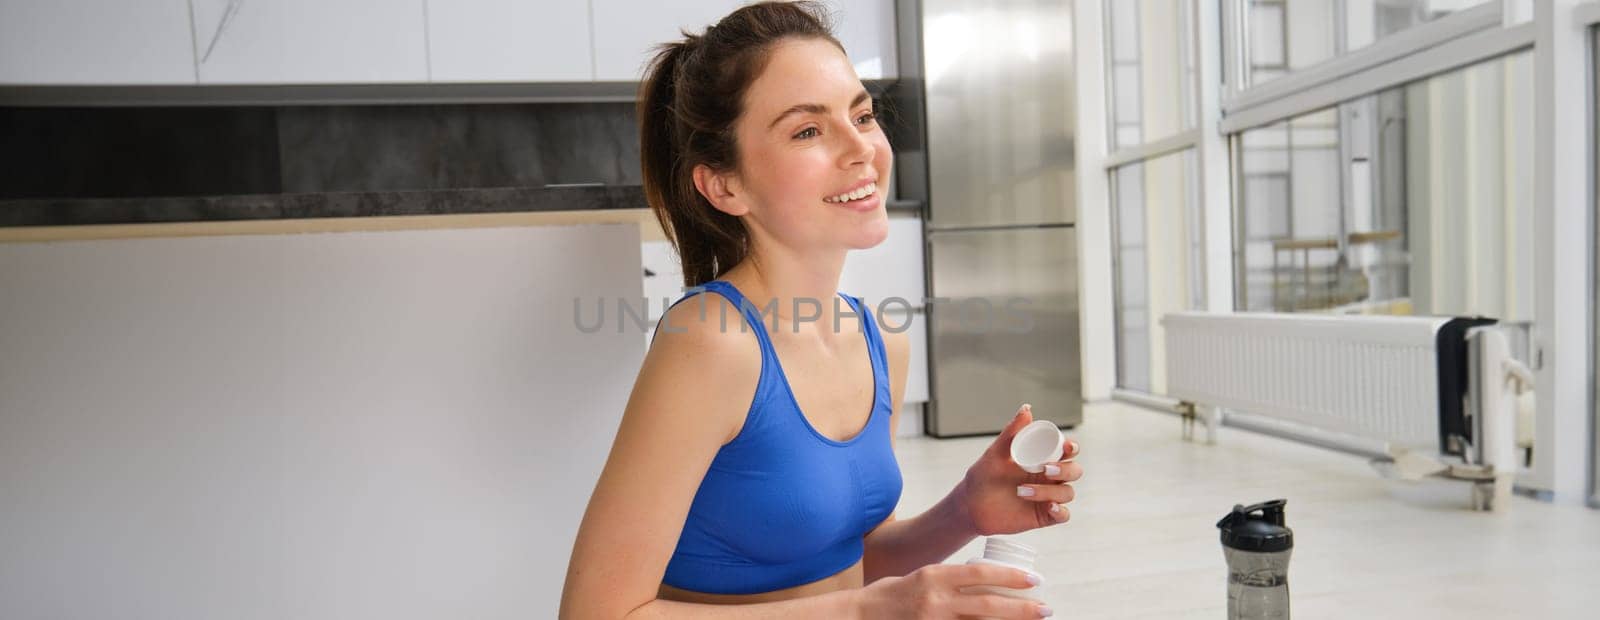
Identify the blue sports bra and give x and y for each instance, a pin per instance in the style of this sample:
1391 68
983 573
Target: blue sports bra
783 505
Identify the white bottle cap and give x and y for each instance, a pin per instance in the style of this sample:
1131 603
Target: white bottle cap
1009 552
1036 444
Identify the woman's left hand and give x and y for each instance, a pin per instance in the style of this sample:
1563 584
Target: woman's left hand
1000 498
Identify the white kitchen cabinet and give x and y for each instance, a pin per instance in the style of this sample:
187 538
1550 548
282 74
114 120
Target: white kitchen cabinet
891 269
93 42
894 269
104 42
311 41
509 41
917 375
626 30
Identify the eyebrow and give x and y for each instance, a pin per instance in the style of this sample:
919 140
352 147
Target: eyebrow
815 108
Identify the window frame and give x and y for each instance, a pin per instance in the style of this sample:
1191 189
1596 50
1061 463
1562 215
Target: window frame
1147 150
1440 46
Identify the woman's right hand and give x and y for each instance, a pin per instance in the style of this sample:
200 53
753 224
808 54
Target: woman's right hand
934 591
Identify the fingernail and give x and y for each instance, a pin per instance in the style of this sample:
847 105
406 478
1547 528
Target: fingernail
1055 508
1052 470
1045 612
1074 445
1024 491
1033 579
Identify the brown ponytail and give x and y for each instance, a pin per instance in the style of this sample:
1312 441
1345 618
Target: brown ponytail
692 94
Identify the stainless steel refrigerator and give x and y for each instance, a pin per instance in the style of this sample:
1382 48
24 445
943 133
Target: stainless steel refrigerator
997 88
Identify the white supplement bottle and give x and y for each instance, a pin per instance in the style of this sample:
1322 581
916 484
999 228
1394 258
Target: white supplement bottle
1003 552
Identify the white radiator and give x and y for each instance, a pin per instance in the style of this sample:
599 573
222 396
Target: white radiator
1437 391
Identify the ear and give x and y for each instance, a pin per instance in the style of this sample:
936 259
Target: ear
721 189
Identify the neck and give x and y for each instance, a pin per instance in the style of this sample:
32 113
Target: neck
807 283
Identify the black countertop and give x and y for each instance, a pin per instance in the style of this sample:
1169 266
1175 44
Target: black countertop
81 211
87 211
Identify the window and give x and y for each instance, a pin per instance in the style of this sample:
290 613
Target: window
1152 69
1154 179
1286 35
1416 200
1399 156
1159 260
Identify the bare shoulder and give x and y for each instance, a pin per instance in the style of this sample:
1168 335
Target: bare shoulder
708 329
704 351
706 319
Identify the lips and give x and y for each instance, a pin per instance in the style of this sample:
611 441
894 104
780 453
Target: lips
859 192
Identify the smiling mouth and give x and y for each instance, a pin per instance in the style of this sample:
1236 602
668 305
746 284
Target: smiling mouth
859 194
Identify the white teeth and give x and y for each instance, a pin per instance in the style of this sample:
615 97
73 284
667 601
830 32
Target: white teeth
868 190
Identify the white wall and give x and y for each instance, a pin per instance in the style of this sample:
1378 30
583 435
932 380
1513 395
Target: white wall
345 425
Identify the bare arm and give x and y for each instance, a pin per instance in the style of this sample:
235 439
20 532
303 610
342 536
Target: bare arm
896 547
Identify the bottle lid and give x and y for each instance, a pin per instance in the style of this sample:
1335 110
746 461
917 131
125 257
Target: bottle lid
1036 444
1246 530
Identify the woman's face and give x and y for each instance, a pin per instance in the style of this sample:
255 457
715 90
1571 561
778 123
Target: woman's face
807 139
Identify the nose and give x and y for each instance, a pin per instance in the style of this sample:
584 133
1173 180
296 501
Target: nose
856 148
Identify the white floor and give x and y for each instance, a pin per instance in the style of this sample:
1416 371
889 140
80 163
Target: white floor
1143 541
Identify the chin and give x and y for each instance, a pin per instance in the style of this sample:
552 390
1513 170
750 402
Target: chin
869 234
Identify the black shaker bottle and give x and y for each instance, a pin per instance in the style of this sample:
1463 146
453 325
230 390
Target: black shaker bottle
1256 545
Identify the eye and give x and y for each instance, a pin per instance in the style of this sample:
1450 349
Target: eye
809 132
867 118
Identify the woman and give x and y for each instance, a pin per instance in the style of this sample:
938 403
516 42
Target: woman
745 480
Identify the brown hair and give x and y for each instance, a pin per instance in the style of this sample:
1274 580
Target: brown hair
692 93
